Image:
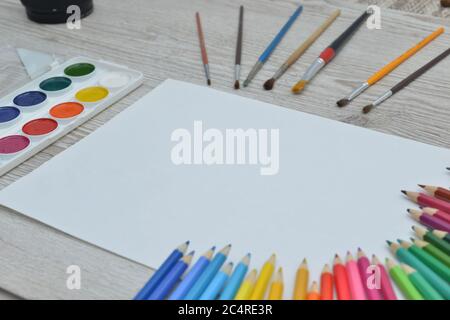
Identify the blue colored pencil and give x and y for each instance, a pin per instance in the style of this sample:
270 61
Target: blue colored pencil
271 48
217 283
171 279
235 281
199 287
191 278
162 271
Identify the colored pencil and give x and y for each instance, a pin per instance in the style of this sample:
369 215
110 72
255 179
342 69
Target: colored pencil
172 278
364 271
425 200
441 235
301 282
425 289
437 192
326 284
408 258
210 272
402 281
387 69
217 283
201 39
429 220
330 52
277 287
434 264
437 214
386 285
406 82
313 293
263 279
272 46
237 62
162 271
432 250
247 286
268 85
235 281
341 280
192 276
354 279
432 238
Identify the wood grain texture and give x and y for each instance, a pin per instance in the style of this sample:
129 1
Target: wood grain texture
159 38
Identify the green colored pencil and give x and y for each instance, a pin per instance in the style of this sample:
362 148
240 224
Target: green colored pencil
442 286
430 237
425 289
435 252
442 235
402 281
433 263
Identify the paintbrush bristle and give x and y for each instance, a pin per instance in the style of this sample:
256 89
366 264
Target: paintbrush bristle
237 85
299 86
343 102
367 108
268 85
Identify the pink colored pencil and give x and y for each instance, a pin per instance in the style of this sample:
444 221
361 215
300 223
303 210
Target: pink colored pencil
437 214
425 200
363 266
386 285
429 221
354 279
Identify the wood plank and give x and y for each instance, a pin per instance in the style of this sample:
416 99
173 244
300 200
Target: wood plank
158 37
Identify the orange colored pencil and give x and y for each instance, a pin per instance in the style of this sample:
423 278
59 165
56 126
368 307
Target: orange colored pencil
341 280
326 284
314 292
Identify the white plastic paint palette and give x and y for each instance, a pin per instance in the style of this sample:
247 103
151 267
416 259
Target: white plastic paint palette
47 108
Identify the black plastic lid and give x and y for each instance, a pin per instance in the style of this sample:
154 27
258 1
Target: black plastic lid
55 11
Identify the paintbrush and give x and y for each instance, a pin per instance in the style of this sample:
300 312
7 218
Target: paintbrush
201 39
272 46
268 85
407 81
380 74
329 53
237 64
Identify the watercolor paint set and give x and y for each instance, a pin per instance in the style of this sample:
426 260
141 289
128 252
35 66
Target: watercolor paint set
49 107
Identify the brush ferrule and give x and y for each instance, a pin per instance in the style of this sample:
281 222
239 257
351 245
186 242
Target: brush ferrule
314 69
383 98
363 87
280 71
258 65
206 68
237 72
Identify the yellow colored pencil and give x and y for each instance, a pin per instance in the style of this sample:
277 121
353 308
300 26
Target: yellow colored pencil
263 279
247 286
301 282
277 287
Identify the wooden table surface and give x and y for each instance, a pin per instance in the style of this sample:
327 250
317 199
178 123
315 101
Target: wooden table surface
158 37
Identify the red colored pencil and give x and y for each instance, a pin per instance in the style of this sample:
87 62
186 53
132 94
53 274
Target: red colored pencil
428 201
341 280
437 192
326 284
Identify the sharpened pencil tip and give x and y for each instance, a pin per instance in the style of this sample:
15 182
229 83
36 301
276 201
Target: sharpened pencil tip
388 242
367 109
342 103
268 85
405 192
421 185
237 85
299 86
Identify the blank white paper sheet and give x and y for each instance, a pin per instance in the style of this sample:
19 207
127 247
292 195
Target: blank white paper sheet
337 188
